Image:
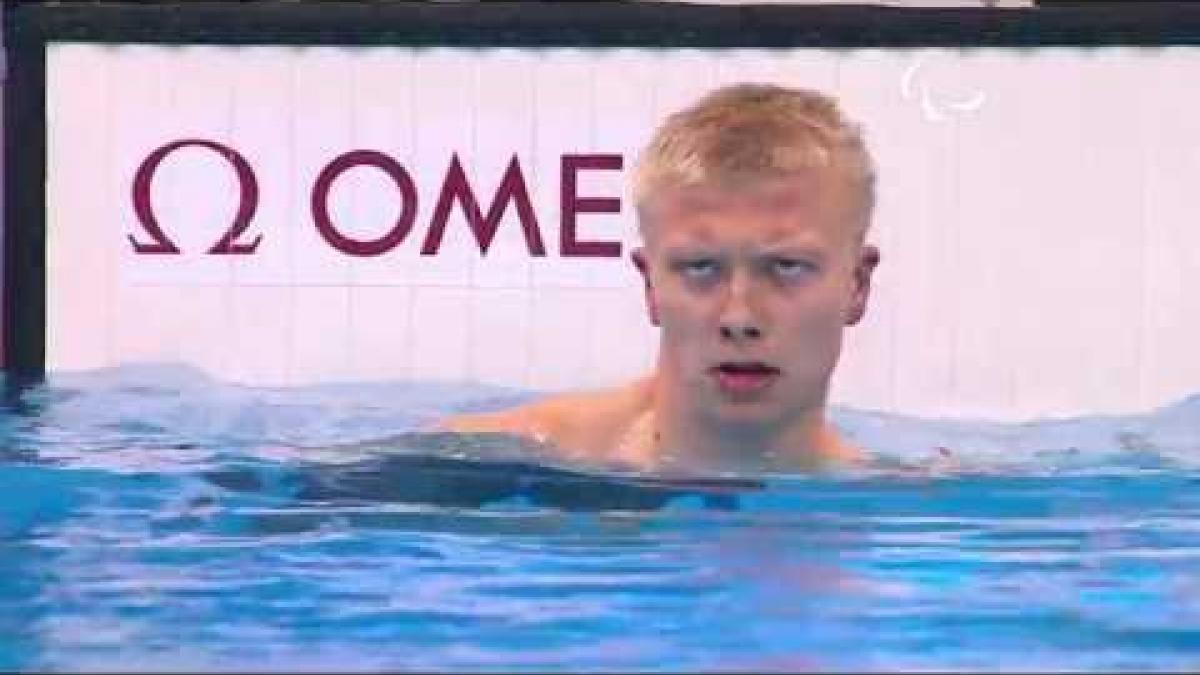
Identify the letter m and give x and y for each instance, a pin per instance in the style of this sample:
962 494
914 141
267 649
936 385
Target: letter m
456 187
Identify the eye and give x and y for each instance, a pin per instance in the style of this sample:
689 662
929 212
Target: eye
699 269
792 268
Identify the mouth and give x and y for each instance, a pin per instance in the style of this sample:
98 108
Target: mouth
741 378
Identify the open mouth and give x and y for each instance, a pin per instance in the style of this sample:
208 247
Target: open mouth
744 377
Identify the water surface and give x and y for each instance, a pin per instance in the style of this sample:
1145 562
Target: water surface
155 519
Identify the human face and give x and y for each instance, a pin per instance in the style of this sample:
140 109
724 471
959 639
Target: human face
752 288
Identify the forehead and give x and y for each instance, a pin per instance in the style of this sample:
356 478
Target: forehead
809 207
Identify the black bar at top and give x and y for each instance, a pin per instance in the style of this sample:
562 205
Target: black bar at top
585 24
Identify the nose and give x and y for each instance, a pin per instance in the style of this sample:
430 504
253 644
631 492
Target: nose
738 321
739 332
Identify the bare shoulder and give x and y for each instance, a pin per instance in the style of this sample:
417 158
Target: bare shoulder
584 422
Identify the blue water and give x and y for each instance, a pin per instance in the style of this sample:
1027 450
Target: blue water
151 519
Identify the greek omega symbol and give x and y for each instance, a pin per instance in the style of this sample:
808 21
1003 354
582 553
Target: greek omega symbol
247 202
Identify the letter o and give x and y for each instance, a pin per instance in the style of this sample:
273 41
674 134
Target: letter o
320 203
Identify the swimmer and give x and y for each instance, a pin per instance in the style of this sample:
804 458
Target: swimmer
753 207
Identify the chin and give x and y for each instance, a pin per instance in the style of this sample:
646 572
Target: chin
746 413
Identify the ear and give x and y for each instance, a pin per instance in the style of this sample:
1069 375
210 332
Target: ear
868 260
639 261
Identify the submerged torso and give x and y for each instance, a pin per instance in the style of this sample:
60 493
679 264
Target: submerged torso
622 427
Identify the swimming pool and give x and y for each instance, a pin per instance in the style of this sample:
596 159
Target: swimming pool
154 519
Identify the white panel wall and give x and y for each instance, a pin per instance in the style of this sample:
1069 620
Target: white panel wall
1035 217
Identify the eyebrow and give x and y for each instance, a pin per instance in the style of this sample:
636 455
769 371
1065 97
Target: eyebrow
806 249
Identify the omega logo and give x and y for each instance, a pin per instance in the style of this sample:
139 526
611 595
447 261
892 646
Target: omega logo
455 188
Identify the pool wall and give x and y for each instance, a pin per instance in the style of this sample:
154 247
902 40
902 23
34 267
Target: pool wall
1036 211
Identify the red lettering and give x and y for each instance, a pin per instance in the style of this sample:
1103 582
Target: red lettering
512 188
572 205
320 203
455 188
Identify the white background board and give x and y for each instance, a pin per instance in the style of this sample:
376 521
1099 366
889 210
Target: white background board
1036 217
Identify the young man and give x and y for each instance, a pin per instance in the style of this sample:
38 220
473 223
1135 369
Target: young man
753 206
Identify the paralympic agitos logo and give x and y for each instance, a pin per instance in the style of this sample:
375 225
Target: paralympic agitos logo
456 190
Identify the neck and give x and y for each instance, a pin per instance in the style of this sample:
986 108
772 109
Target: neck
693 437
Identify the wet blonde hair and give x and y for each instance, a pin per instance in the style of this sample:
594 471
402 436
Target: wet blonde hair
744 133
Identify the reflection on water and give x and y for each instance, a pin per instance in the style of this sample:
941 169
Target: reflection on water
155 520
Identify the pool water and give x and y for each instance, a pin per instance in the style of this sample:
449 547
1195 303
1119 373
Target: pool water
154 519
